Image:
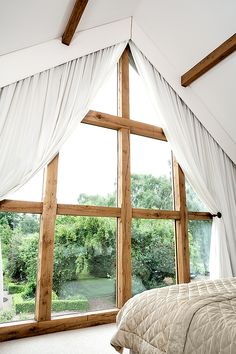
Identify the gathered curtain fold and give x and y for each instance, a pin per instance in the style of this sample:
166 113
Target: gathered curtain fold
208 169
39 113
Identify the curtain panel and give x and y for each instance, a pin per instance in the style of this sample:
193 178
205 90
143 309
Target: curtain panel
39 113
209 170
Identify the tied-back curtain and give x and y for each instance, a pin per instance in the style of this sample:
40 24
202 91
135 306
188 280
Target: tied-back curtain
38 114
208 169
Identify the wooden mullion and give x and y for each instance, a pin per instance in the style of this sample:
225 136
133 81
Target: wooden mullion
155 214
24 329
124 222
181 225
46 244
199 215
123 85
109 121
21 206
87 210
124 275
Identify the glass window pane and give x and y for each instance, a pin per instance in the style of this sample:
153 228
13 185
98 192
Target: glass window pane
141 108
19 234
153 254
106 98
87 171
193 201
199 241
32 190
151 179
84 264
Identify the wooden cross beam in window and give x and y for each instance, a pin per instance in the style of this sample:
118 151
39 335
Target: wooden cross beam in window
215 57
73 22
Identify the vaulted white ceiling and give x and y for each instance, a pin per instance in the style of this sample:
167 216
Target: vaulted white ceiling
174 35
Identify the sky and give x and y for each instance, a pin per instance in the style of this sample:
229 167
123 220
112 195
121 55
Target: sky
88 160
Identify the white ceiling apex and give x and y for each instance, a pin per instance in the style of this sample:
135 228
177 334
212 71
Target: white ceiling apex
47 55
99 12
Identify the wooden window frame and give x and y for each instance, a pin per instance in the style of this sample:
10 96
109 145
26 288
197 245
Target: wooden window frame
124 213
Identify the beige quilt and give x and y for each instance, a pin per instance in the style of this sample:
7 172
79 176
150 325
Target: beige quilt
198 318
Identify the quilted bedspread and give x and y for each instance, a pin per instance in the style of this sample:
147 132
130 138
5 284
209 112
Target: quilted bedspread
198 318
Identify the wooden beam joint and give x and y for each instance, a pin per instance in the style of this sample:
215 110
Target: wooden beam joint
109 121
212 59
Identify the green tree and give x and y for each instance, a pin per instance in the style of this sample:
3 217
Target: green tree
151 192
109 200
10 219
153 251
86 245
19 237
83 245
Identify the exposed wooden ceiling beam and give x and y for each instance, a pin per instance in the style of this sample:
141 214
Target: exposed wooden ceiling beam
221 52
73 22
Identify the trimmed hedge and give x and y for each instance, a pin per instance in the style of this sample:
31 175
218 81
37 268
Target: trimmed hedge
23 306
15 288
70 305
28 306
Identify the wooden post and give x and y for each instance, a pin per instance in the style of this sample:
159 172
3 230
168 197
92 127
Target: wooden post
124 274
46 244
181 226
123 85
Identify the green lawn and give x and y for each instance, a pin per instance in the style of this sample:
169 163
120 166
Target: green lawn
91 288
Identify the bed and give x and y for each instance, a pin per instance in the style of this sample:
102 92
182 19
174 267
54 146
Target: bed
195 318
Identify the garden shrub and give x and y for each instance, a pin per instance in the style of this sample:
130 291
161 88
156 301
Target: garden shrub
30 290
22 306
6 316
54 296
28 306
25 306
15 288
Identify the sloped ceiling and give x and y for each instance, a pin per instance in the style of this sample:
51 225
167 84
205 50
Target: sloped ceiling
25 23
185 32
182 32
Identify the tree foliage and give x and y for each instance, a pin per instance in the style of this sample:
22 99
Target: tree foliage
151 192
85 246
153 251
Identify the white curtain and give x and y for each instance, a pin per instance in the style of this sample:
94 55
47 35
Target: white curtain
208 169
37 115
